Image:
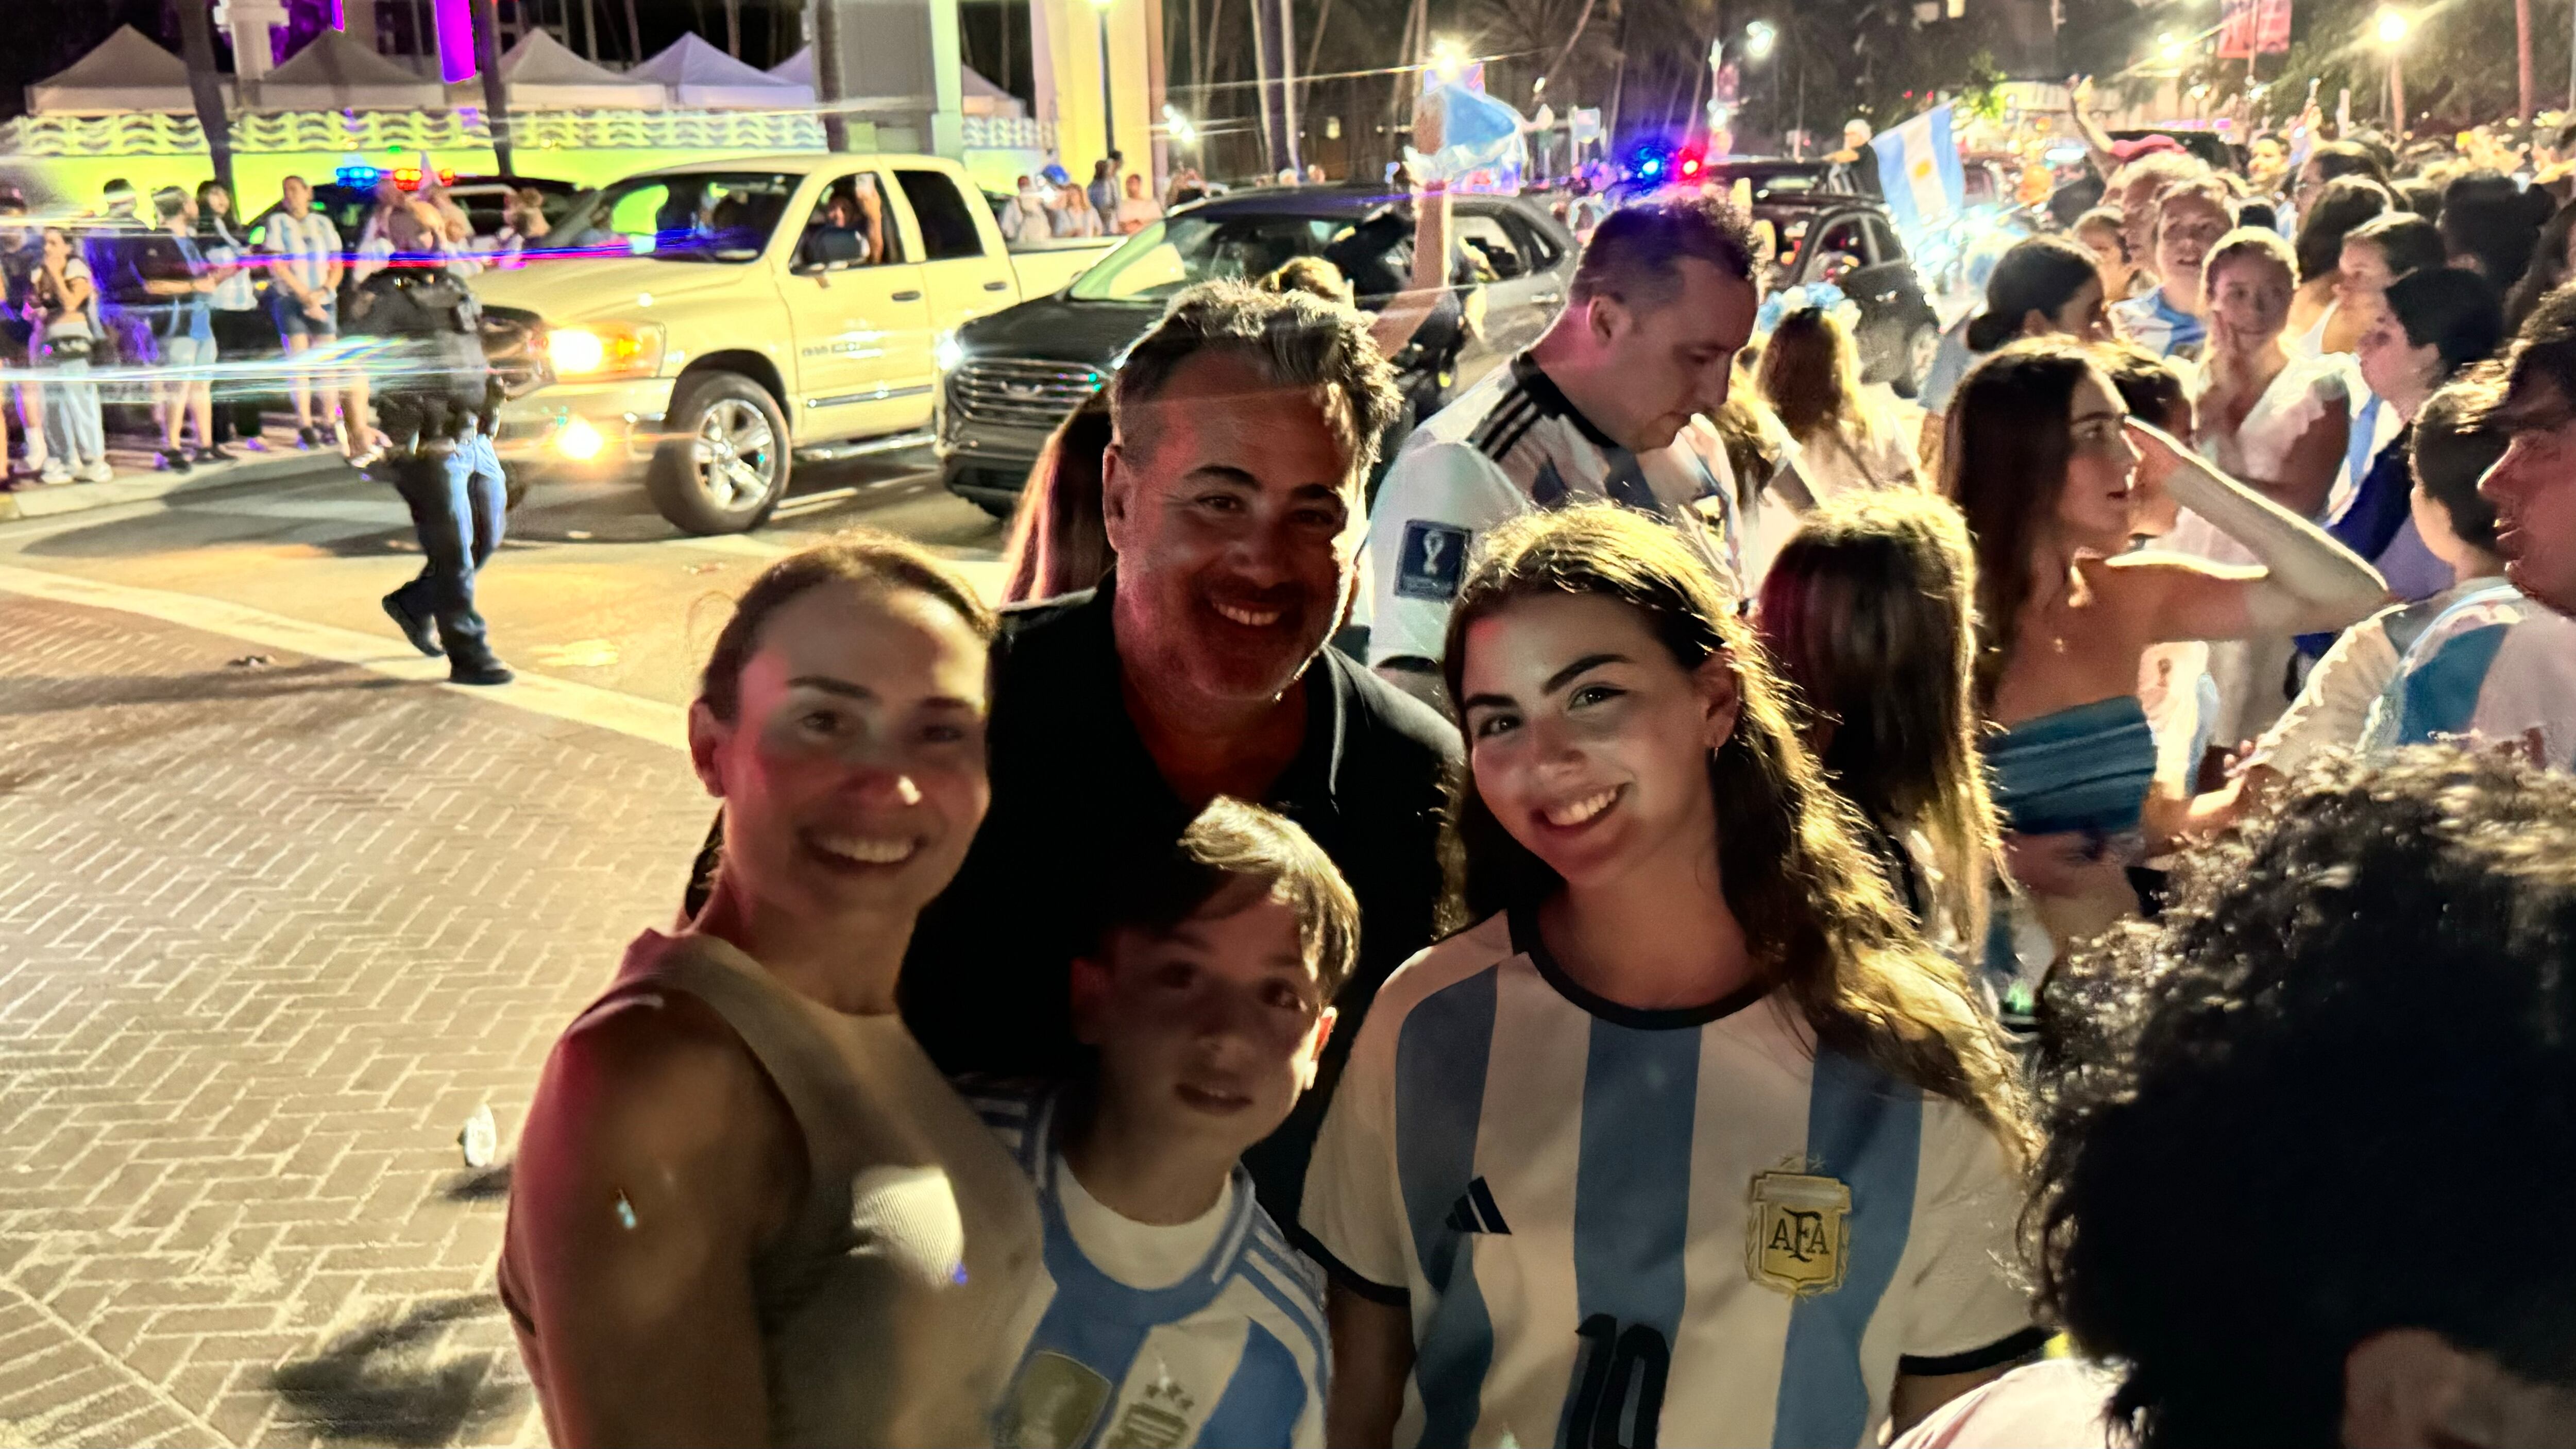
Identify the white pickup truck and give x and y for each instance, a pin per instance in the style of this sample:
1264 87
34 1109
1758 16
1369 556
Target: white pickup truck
697 327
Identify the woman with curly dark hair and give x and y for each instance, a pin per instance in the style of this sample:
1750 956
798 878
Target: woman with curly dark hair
2313 1142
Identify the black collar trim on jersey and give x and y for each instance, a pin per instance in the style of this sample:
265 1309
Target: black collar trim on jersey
1551 399
1526 940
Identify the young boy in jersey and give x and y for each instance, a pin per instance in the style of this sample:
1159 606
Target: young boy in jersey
1177 1313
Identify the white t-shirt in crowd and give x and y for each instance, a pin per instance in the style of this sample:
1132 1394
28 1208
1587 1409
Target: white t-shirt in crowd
2058 1403
1135 213
1587 1208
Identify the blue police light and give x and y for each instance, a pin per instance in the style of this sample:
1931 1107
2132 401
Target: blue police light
1651 166
360 177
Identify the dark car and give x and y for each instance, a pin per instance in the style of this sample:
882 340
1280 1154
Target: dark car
1008 379
1851 242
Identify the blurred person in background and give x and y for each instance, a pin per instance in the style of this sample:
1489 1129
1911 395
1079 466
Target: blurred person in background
1810 376
1137 209
21 254
1866 611
241 329
2329 161
304 271
2491 226
1058 544
2317 325
523 221
2553 261
1103 191
2044 285
2276 423
1072 215
2099 230
167 268
63 304
2449 452
2432 326
2172 319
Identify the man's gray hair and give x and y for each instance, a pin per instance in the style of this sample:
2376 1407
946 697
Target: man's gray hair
1293 341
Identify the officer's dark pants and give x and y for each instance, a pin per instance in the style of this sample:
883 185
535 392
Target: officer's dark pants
459 524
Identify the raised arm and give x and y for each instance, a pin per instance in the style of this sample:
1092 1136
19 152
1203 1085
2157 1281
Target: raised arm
656 1163
2305 582
1405 312
2097 142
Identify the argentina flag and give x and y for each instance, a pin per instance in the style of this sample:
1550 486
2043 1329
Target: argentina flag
1918 169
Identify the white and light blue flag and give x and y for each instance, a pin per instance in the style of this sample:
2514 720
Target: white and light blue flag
1919 171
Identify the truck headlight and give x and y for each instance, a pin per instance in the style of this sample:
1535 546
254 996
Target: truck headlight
605 350
947 353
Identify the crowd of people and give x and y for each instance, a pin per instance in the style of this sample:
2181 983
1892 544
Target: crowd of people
1665 910
1117 202
161 301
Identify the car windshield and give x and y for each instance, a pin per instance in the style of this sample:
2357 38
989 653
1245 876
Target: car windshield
1169 255
700 216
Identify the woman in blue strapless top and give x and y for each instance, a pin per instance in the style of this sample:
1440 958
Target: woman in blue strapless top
2052 472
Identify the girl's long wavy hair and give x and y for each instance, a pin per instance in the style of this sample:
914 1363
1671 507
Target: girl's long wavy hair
1869 614
1825 925
2004 464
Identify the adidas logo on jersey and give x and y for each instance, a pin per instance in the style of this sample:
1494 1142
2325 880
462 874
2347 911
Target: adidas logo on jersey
1475 1211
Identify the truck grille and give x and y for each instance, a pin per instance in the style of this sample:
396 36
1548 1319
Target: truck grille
1021 394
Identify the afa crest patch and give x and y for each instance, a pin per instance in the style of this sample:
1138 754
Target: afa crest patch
1432 561
1798 1233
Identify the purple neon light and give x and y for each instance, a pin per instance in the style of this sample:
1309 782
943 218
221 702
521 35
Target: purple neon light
455 40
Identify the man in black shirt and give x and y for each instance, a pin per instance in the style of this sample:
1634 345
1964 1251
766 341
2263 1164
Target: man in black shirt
1246 424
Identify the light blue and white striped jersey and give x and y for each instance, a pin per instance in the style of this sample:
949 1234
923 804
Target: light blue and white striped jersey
1633 1227
1231 1357
2496 668
2159 326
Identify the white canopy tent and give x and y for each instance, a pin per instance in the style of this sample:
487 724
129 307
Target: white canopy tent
539 74
981 96
694 73
126 73
334 73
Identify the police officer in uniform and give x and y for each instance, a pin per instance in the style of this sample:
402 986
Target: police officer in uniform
1609 404
434 395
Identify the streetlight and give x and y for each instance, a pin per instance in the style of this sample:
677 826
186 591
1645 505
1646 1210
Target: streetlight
2390 29
1759 39
1108 101
1178 126
1448 58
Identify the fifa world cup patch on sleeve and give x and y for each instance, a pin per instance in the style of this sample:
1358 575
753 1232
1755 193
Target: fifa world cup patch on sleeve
1432 561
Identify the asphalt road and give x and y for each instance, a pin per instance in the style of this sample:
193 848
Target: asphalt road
591 586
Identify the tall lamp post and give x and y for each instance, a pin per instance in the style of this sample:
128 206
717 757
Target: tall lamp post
2390 29
1760 39
1108 98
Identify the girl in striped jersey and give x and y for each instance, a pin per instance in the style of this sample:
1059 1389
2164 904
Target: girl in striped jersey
1692 1140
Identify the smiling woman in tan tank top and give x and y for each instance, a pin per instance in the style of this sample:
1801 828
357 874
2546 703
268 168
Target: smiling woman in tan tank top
747 1209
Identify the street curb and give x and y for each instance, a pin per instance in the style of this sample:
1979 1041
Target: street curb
49 502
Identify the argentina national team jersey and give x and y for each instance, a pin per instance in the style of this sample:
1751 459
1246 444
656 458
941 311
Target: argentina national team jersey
1232 1355
2159 326
2497 668
1510 445
1615 1226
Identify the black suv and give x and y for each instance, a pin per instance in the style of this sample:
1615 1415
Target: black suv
1008 379
1851 242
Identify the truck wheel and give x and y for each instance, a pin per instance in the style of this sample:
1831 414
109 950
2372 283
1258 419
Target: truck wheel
1914 360
724 465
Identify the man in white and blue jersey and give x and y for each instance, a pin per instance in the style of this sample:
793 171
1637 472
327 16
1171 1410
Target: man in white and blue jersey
2172 320
1693 1227
1175 1312
2498 668
1608 404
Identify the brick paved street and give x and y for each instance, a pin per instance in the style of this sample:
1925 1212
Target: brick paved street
269 933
